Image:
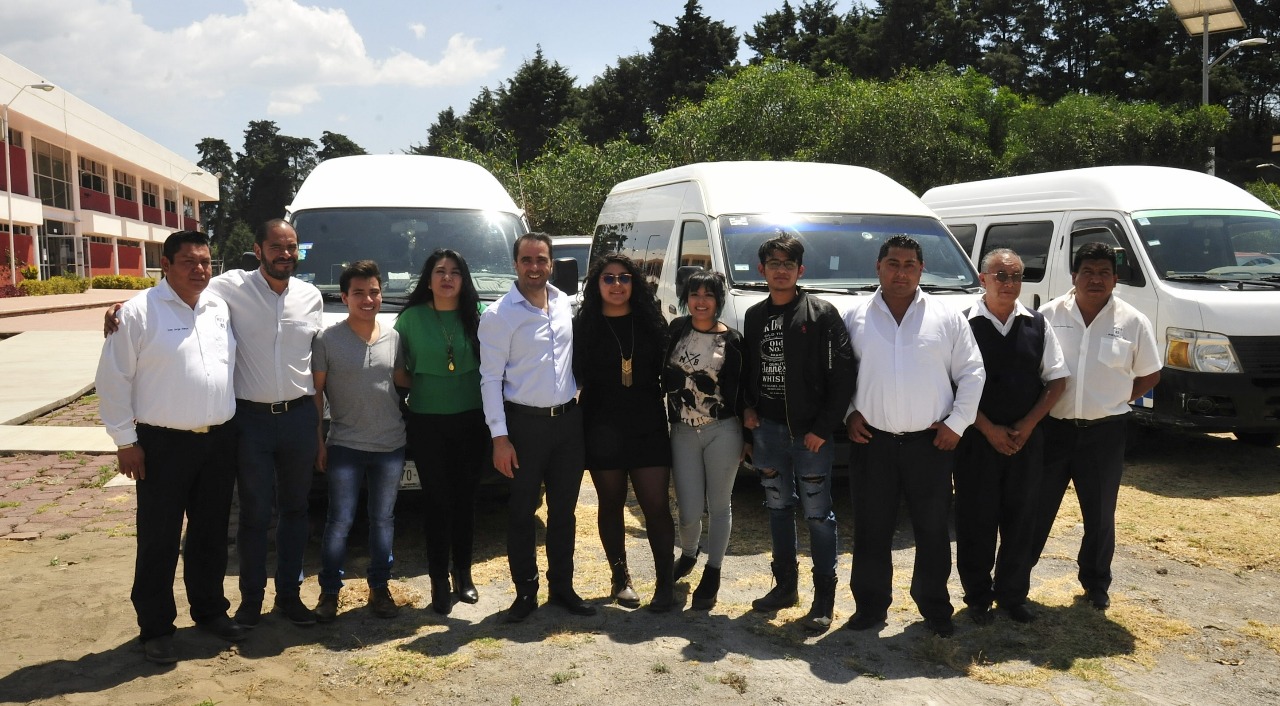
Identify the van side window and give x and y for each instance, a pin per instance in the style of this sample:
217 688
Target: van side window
643 241
965 234
1030 240
695 248
1109 231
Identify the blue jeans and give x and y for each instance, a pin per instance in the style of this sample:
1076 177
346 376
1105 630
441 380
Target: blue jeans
791 474
276 453
380 472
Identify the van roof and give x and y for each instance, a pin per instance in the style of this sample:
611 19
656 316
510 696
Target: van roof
806 187
401 181
1124 188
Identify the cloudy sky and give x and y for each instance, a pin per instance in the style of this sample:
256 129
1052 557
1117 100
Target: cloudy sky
378 71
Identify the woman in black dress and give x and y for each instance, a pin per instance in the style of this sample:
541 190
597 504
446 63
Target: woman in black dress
619 340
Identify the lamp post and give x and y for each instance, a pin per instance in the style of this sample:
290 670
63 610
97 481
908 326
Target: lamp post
1204 78
8 170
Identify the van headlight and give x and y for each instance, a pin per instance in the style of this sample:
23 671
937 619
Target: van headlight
1200 351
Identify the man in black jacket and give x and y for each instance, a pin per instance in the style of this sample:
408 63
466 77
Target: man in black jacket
799 379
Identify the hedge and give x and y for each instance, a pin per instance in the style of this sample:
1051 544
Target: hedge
122 282
53 285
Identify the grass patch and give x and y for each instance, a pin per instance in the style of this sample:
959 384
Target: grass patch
735 681
1269 634
67 455
45 508
486 647
106 472
659 668
400 665
564 677
9 503
569 639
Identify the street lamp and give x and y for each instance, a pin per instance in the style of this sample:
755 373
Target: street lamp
1267 164
1204 89
8 170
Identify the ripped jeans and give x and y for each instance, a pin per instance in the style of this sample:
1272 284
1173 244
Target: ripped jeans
791 473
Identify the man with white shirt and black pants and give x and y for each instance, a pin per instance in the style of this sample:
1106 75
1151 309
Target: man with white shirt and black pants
164 383
920 377
528 392
1114 359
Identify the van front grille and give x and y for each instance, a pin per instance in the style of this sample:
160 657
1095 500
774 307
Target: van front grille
1259 355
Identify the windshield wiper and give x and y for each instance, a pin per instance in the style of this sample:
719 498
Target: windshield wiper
1201 277
756 286
947 288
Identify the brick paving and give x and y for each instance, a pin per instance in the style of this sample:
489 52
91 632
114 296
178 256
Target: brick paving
58 495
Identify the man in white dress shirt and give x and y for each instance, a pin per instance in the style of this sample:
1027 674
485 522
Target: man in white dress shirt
920 377
1114 359
164 385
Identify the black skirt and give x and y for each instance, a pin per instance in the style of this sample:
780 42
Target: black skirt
612 447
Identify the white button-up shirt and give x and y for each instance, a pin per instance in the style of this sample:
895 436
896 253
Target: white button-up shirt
274 332
906 371
168 365
1052 363
526 355
1104 357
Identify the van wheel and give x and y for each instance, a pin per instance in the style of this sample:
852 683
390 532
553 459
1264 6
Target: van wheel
1258 438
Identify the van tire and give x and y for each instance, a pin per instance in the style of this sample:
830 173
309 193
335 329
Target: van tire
1258 438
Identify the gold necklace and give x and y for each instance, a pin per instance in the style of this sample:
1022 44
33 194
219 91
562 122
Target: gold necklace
448 338
626 360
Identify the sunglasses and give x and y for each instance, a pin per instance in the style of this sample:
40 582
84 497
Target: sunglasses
612 279
1003 277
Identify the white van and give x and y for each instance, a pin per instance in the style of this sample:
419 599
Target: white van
715 215
1194 258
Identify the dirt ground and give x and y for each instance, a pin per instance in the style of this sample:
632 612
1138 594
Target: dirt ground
1195 619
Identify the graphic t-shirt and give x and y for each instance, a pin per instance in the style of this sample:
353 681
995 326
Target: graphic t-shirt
773 364
700 355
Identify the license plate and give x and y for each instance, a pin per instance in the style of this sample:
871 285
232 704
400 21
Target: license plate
409 480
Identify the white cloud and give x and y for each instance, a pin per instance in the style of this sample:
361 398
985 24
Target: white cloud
289 52
419 30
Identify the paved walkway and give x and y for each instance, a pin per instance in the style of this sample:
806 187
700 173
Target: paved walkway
52 475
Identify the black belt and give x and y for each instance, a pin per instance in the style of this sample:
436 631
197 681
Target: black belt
903 436
555 411
197 430
1086 423
273 407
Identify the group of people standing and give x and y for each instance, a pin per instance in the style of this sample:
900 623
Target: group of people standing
239 367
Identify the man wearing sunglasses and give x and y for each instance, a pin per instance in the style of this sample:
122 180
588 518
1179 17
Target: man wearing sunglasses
1001 457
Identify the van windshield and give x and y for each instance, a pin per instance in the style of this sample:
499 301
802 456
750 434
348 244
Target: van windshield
840 250
400 240
1220 244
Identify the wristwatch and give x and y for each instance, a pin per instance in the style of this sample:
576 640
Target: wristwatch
122 447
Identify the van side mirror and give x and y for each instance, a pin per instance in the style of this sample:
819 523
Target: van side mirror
683 273
564 275
248 261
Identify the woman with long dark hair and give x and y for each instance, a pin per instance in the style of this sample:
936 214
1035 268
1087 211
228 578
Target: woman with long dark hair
445 423
618 346
704 404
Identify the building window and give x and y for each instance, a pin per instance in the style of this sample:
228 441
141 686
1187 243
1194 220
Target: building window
150 194
93 175
53 174
170 200
128 244
99 239
17 229
126 185
15 137
188 207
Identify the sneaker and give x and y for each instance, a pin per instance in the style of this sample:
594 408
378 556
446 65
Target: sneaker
295 610
327 609
159 650
381 602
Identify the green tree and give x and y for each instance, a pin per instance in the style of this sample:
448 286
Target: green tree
613 105
334 145
773 36
269 171
687 56
216 158
538 98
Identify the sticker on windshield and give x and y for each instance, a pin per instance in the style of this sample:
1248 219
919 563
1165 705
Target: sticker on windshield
306 276
741 267
1153 243
835 263
739 221
305 246
1144 221
302 254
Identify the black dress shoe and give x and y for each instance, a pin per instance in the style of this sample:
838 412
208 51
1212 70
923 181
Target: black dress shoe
942 627
1020 613
159 650
465 588
1099 599
572 602
249 614
981 614
441 595
521 608
295 610
864 620
225 628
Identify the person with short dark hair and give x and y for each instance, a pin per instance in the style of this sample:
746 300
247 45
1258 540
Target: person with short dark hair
164 383
703 380
440 364
619 337
1114 359
353 362
529 395
799 377
1000 460
920 378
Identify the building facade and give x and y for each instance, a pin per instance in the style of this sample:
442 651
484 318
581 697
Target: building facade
80 192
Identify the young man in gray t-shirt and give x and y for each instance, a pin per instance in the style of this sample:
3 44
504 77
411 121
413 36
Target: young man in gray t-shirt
353 362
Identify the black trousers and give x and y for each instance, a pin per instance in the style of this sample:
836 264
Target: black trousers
448 450
993 500
883 472
550 451
189 475
1092 458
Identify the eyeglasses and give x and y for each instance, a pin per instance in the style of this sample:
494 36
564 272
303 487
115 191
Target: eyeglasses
788 265
1003 276
612 279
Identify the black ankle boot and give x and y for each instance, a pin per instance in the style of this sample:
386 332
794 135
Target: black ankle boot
824 601
685 564
664 593
463 586
441 596
704 596
621 588
783 594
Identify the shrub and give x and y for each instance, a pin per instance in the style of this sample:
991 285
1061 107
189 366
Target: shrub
9 290
54 285
122 282
29 272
